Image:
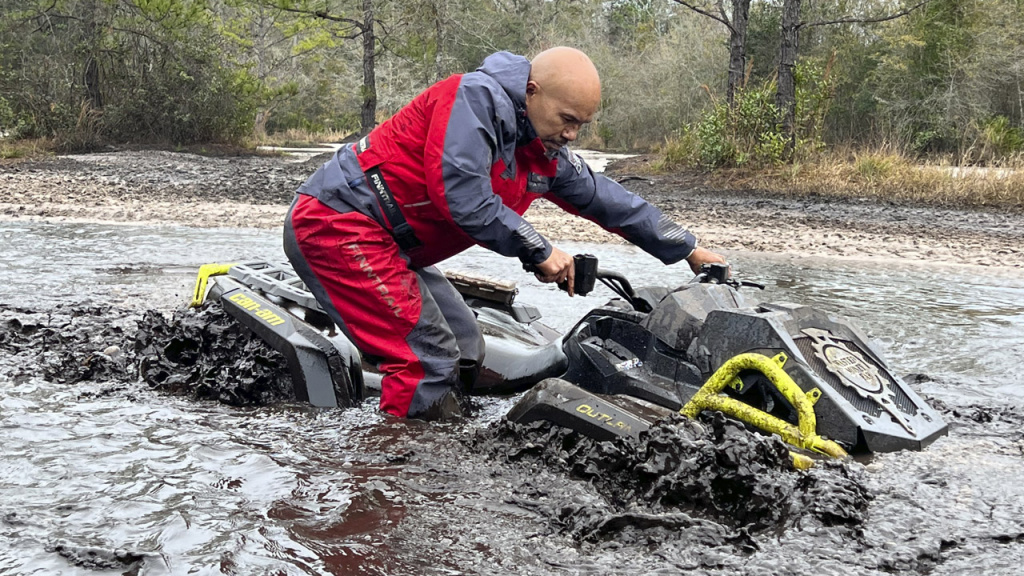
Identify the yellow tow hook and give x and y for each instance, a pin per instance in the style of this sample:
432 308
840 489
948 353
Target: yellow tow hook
205 271
803 435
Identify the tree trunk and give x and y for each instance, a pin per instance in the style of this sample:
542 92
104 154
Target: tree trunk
91 77
737 48
439 71
368 114
785 96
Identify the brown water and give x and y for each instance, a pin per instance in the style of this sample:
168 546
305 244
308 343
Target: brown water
99 478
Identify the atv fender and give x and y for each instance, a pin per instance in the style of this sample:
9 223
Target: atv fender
326 371
598 417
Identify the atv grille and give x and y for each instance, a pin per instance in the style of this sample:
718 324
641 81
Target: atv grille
870 407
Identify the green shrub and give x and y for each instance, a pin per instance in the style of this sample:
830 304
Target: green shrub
1000 138
750 133
681 150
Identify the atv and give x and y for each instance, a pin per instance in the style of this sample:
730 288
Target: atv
810 377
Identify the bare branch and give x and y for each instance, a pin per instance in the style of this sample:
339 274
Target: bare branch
325 15
45 17
721 19
170 50
721 10
44 13
384 29
346 34
899 14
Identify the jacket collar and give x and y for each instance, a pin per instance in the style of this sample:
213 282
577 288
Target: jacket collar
512 72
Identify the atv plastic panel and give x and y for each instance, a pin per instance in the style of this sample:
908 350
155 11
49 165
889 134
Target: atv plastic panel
598 417
325 370
610 353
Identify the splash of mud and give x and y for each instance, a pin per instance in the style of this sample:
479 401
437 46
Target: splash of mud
712 476
202 354
208 355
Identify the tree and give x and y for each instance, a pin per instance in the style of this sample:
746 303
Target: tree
82 71
736 22
351 28
785 97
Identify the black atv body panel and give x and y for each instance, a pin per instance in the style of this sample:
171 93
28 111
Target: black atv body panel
618 369
665 356
325 369
596 416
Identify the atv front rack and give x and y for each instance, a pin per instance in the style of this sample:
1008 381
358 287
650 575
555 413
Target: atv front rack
803 435
497 291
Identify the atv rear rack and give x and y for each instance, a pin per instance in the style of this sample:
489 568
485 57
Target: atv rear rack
491 290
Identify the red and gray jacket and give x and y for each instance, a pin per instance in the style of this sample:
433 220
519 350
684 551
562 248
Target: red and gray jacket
462 163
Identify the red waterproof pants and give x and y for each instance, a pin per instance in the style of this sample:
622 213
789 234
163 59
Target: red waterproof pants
412 323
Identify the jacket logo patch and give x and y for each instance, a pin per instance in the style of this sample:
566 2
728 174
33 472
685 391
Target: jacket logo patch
364 144
537 184
577 162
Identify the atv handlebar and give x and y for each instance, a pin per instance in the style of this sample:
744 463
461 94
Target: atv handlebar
720 274
587 274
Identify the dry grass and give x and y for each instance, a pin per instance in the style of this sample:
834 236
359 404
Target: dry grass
886 175
297 138
28 148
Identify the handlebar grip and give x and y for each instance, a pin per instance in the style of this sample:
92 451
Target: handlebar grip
585 274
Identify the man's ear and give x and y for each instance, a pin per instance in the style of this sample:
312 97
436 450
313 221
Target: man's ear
532 87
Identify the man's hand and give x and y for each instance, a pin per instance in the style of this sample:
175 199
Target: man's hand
700 257
559 267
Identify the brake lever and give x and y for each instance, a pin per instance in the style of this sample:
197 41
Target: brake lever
739 283
721 274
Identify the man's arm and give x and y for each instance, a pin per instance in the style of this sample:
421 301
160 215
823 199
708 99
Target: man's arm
600 199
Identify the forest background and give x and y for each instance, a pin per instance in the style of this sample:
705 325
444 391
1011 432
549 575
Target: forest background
877 85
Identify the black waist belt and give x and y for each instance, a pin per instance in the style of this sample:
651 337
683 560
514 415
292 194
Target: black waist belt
400 229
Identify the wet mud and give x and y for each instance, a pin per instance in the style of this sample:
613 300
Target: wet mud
162 187
687 474
197 353
205 354
126 562
364 494
66 344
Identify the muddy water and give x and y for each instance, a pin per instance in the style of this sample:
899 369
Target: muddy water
110 477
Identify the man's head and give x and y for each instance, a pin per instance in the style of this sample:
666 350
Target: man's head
562 95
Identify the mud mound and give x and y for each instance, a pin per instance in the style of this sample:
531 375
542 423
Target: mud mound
206 354
128 562
713 468
203 353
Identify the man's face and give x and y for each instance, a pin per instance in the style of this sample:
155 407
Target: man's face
557 118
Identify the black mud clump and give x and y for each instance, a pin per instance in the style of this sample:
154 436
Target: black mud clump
206 354
201 353
994 419
684 472
128 562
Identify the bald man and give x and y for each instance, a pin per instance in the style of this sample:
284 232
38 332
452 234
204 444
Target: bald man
457 166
